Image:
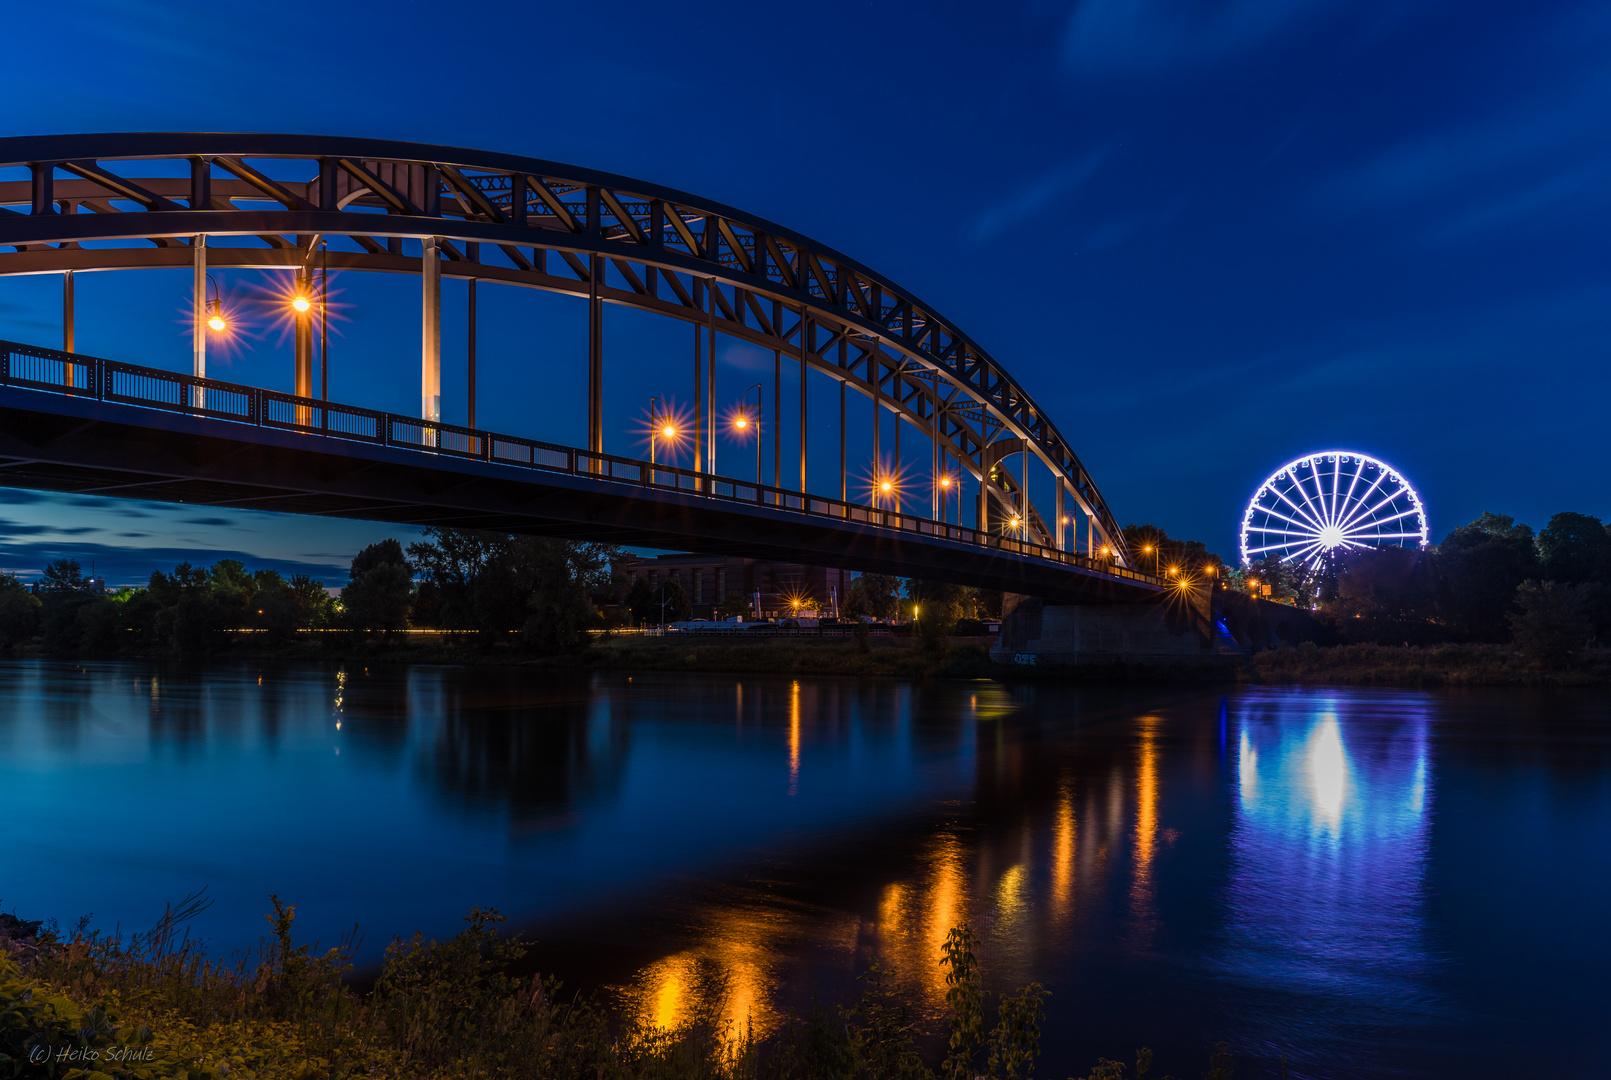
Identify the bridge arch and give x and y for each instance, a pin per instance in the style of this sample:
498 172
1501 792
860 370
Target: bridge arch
538 224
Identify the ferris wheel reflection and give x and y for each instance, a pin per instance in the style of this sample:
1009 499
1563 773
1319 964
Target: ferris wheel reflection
1329 849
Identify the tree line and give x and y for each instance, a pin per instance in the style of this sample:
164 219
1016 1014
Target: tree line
1494 580
882 597
534 591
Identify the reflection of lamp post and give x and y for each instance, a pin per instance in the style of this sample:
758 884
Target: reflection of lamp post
744 421
661 425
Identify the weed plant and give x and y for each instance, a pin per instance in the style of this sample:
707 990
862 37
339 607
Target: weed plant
92 1006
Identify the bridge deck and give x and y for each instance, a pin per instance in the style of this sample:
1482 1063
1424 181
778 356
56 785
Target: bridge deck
90 426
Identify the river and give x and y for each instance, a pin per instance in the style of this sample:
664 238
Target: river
1366 882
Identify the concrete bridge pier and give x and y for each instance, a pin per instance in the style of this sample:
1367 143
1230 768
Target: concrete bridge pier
1182 628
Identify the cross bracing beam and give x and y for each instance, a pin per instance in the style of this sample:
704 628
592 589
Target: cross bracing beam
380 193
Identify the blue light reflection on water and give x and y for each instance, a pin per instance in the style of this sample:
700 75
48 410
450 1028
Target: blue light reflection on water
1327 890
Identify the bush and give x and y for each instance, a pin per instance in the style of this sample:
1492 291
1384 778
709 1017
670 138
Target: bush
455 1009
1550 625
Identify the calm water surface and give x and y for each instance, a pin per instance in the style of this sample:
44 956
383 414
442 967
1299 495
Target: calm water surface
1369 882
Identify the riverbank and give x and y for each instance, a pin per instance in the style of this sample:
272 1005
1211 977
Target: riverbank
961 658
154 1008
1422 665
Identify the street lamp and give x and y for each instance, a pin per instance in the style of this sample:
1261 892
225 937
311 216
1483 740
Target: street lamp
743 421
662 425
215 308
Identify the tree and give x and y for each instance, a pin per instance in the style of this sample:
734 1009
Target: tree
669 602
1480 566
70 617
1385 595
314 606
1549 625
63 576
19 612
1154 551
734 605
640 601
1575 548
873 595
499 583
937 605
379 588
1289 582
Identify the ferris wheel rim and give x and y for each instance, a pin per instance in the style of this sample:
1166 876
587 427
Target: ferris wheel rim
1345 523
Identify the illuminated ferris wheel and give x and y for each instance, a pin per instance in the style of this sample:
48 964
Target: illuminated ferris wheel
1330 500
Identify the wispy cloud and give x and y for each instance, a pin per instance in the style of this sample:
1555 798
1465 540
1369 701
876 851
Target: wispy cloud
1035 198
1527 156
1142 37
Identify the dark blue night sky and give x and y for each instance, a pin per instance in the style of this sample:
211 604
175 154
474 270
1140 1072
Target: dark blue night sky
1208 237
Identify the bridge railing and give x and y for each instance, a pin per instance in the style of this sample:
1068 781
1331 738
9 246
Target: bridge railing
110 380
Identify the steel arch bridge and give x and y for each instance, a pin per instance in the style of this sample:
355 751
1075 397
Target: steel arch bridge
310 204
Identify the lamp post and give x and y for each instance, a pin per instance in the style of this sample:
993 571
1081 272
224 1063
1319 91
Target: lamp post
661 425
744 421
215 308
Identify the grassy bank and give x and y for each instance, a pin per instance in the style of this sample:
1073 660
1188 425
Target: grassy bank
1428 665
92 1007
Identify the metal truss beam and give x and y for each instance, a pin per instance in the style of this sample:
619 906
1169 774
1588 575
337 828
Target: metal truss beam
277 190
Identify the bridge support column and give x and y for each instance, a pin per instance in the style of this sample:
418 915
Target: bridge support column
595 356
471 347
844 484
699 380
431 333
304 337
813 330
198 305
67 312
710 376
1060 518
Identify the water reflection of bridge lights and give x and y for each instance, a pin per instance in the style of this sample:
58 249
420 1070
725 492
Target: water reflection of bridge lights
1146 830
794 738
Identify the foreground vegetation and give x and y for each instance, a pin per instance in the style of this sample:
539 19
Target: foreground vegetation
88 1006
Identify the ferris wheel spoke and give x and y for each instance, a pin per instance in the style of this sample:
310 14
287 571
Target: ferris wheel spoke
1391 536
1307 534
1336 485
1270 530
1387 500
1363 499
1318 515
1278 547
1303 552
1296 509
1348 500
1364 527
1289 521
